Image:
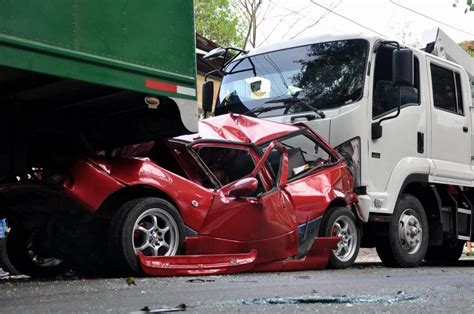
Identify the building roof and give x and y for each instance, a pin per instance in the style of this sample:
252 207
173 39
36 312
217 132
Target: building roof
203 46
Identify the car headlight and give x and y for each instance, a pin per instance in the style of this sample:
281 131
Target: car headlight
350 151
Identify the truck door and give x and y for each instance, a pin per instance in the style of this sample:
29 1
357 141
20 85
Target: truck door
403 141
450 135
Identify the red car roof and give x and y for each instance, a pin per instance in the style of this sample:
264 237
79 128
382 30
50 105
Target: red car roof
239 128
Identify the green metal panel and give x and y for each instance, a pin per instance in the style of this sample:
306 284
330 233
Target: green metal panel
120 43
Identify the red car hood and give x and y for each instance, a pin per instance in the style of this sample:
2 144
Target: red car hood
239 128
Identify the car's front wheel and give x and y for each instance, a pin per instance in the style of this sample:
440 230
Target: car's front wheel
152 226
341 222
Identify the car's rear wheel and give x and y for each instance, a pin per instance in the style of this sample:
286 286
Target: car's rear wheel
21 253
341 222
152 226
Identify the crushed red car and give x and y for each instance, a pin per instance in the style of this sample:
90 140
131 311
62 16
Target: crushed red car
242 195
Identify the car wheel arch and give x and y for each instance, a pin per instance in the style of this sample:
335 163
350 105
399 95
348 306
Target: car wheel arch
338 202
341 202
113 202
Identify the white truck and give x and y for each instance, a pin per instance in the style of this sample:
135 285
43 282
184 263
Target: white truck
402 117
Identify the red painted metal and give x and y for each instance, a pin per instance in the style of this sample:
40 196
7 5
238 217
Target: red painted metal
183 192
172 88
243 187
193 265
92 183
226 224
240 128
317 258
271 249
311 195
219 264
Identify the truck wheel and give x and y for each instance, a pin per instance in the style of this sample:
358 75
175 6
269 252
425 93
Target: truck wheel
152 226
449 251
341 222
408 236
21 255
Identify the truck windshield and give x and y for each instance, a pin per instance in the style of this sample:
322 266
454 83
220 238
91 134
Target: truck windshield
314 77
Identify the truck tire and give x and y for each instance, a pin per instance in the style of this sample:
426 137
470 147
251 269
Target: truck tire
449 251
149 225
341 221
408 236
25 261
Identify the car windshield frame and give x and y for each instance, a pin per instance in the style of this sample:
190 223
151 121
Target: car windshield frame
295 95
337 158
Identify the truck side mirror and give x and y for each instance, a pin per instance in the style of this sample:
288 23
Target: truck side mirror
376 130
207 96
402 67
215 53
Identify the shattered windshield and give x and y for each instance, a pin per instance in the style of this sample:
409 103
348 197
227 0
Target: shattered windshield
301 79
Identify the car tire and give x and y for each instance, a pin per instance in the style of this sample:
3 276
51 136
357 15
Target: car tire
150 225
408 235
24 260
449 251
341 221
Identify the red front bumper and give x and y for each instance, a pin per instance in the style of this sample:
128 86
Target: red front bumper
218 264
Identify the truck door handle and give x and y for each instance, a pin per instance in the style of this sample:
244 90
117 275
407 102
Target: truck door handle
420 143
465 129
307 117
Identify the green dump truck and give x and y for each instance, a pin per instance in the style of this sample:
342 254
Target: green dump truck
93 74
81 78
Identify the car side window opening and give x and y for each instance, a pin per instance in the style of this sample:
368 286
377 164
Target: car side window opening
187 165
228 164
304 154
385 96
447 93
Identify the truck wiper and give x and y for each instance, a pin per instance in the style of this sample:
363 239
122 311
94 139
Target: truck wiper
289 101
263 109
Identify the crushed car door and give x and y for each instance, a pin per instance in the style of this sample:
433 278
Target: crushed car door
259 217
314 180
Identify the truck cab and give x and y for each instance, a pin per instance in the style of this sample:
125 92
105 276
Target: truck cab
408 143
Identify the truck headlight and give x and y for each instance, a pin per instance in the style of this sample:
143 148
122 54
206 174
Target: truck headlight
350 151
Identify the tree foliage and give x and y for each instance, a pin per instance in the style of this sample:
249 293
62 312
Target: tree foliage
216 20
469 4
333 72
468 46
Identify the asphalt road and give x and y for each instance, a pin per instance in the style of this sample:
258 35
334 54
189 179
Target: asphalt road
366 287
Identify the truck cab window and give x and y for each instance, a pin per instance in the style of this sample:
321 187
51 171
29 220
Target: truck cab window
447 94
324 75
385 96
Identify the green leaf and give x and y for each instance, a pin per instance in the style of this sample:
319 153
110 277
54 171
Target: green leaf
218 21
